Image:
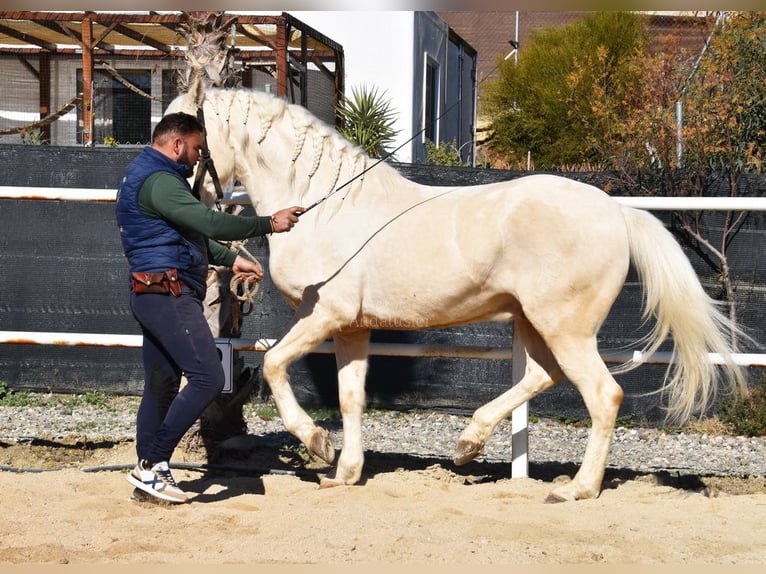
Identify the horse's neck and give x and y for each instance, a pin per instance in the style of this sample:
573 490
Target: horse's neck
285 156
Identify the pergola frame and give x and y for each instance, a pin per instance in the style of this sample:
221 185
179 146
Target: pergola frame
281 46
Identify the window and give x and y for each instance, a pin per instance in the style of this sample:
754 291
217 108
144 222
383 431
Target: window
119 112
431 104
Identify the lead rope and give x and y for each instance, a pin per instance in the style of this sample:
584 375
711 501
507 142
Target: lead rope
388 155
206 164
243 286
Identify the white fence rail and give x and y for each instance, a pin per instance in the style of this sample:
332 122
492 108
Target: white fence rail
520 417
240 196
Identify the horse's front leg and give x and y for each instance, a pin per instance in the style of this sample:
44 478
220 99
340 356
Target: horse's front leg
306 333
351 352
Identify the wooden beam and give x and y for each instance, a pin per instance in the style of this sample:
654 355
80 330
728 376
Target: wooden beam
282 65
76 38
256 36
32 70
87 81
100 40
152 18
130 33
44 87
29 39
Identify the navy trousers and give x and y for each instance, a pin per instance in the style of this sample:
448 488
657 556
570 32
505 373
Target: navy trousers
177 340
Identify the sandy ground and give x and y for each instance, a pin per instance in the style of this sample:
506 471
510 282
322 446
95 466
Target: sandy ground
407 510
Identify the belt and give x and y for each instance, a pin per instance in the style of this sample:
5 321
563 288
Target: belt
161 282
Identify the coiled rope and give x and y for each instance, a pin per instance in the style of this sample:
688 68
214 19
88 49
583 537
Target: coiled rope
244 286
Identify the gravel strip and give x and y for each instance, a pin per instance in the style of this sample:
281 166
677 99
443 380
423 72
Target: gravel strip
427 434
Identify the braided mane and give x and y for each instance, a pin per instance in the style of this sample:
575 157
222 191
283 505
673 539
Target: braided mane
319 158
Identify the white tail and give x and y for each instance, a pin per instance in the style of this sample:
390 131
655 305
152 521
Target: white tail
675 299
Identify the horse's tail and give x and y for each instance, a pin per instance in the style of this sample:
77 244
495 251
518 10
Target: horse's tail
675 298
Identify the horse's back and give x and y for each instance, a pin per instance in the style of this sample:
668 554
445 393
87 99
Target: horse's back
553 215
549 189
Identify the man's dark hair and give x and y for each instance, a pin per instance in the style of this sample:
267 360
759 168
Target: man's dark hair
180 123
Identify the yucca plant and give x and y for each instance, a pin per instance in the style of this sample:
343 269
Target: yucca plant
367 119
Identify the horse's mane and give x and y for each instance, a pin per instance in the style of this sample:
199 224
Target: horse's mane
329 151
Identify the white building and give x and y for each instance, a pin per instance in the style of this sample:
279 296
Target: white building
426 70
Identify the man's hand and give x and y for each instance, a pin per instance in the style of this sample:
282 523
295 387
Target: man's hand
285 219
242 265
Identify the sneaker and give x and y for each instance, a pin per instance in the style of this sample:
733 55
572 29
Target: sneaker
157 481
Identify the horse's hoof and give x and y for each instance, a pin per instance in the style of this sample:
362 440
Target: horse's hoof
321 445
554 498
329 483
467 450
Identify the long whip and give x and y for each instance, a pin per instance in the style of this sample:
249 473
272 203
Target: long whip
389 154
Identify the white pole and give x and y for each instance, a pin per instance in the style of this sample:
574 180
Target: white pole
520 415
695 203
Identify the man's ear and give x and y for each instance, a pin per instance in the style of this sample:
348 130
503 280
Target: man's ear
175 146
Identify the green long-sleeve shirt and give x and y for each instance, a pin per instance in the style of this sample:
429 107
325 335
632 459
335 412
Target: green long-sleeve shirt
164 195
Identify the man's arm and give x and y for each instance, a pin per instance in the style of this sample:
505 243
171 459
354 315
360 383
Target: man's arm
164 195
220 254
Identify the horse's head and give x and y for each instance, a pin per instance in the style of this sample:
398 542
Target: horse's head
220 150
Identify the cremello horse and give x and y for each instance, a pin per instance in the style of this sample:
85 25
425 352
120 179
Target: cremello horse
547 252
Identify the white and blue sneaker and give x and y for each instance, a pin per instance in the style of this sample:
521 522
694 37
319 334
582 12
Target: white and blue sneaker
157 481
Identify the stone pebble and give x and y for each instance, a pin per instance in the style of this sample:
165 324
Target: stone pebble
426 434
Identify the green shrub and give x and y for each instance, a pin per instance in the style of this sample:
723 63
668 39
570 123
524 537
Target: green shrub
9 398
747 416
367 120
33 137
446 154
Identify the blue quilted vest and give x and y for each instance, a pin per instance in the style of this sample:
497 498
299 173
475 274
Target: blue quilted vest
151 243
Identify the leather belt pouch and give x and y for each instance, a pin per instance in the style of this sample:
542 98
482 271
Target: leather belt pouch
163 282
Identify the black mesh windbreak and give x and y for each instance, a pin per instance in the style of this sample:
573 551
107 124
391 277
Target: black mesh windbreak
63 271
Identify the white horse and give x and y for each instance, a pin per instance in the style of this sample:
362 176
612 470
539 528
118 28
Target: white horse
544 251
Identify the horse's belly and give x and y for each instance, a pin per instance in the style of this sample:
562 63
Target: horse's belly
437 303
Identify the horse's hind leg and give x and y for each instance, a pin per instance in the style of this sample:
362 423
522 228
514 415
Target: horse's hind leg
541 372
602 395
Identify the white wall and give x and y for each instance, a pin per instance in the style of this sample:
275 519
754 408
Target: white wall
378 49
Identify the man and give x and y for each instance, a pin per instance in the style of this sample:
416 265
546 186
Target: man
168 238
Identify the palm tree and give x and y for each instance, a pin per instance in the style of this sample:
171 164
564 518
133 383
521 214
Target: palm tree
208 53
